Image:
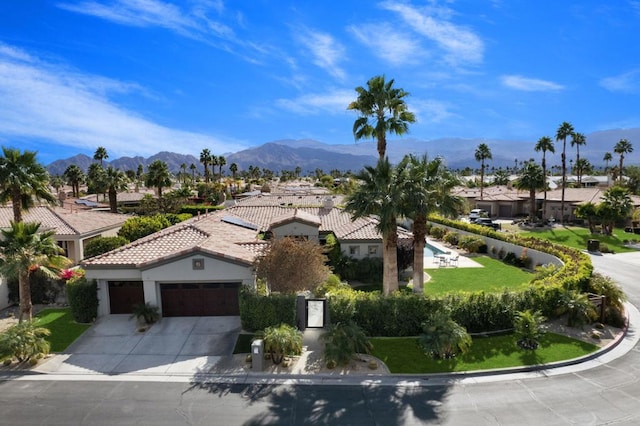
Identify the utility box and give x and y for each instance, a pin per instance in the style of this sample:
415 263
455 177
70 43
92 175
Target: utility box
257 355
593 245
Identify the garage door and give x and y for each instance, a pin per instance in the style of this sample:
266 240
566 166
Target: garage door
200 299
124 295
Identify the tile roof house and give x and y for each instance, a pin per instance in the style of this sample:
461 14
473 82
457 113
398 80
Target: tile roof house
197 267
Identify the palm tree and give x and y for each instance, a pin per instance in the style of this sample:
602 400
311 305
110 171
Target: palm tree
617 204
205 159
531 178
622 147
384 105
234 170
25 249
183 169
214 162
158 176
115 180
74 176
380 195
607 158
193 168
22 179
95 180
426 188
564 131
100 155
482 153
221 163
544 144
578 139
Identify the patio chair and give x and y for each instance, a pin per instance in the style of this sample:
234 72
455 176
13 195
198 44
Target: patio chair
453 261
443 261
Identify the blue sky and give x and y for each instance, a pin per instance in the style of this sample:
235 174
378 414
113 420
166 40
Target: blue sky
142 76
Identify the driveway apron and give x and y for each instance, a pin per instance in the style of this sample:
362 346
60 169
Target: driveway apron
181 345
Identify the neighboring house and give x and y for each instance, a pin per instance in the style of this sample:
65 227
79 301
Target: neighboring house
73 228
197 267
573 197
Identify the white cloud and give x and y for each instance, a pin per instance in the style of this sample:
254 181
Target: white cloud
395 47
460 44
431 111
526 84
332 102
326 51
56 105
628 82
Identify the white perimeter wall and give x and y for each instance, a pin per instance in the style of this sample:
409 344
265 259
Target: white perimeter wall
4 293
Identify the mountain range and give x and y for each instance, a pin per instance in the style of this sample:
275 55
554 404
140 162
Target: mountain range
309 154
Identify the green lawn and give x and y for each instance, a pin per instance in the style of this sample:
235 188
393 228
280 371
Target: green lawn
64 330
494 277
404 356
576 237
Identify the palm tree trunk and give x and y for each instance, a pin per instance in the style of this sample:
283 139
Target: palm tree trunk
419 234
532 208
113 201
24 291
544 173
390 263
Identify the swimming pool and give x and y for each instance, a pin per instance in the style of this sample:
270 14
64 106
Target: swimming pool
430 251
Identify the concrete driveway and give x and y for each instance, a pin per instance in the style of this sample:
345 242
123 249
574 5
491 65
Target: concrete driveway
184 345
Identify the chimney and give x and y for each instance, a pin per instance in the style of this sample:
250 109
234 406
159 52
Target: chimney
327 203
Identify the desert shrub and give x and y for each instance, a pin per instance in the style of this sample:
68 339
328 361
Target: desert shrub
577 307
137 227
437 232
146 312
281 341
259 312
24 341
343 341
442 337
83 299
471 243
100 245
451 238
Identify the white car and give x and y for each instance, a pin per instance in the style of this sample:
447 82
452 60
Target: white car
477 213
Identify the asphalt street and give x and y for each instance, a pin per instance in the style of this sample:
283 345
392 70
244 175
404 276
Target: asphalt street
606 394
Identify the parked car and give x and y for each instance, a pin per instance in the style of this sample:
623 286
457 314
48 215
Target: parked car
485 221
477 213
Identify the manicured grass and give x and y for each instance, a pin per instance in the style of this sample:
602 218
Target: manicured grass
494 277
64 330
243 344
577 237
404 355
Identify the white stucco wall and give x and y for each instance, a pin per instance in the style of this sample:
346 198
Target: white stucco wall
296 229
4 293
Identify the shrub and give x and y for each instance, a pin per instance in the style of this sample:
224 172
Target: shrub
174 218
100 245
199 209
437 232
83 299
443 338
528 328
332 284
577 307
471 243
259 312
146 312
137 227
343 341
24 341
282 340
614 298
451 238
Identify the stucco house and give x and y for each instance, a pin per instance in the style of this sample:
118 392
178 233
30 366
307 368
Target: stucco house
73 227
197 267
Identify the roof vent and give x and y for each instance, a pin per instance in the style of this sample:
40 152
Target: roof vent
327 203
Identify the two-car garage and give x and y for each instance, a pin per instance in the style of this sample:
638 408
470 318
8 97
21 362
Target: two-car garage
179 299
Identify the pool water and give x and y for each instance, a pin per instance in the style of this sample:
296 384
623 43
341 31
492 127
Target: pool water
430 251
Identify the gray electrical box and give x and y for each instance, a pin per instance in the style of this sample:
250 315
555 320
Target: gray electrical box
257 355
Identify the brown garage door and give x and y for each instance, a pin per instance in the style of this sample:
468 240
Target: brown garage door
124 295
199 299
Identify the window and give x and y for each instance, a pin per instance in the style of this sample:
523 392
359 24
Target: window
354 250
373 250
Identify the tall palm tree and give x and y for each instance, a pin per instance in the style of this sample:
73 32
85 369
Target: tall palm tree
617 204
100 155
382 109
158 176
214 162
482 153
564 131
74 176
221 163
607 158
531 178
578 139
545 144
25 249
22 179
193 168
234 169
622 147
380 195
205 159
183 170
115 180
95 180
426 188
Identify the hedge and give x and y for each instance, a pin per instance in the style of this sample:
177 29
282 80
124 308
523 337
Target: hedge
83 299
259 312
